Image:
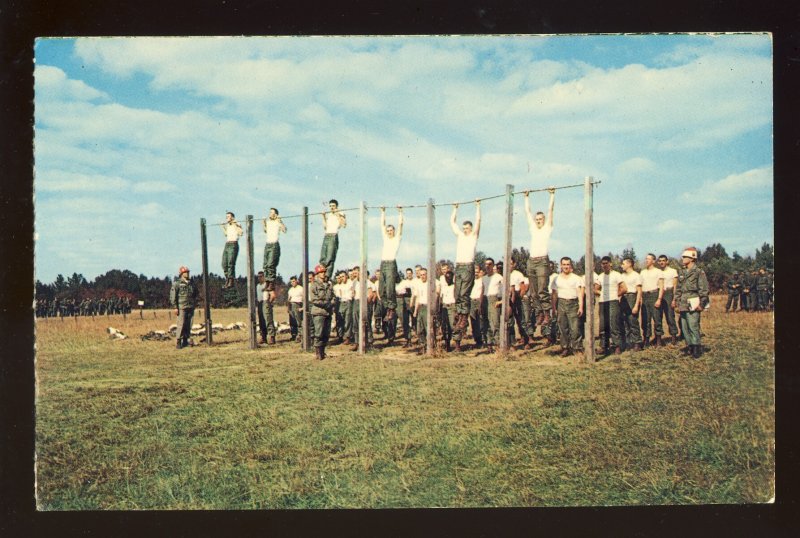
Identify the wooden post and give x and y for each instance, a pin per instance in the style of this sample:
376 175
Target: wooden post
430 337
305 345
251 284
588 341
362 284
206 283
504 309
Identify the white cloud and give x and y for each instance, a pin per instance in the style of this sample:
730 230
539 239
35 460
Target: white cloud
153 186
734 188
52 83
62 181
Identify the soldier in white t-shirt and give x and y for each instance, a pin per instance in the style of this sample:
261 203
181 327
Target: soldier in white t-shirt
388 271
518 287
466 245
273 227
421 302
652 301
372 294
630 304
493 291
477 311
607 291
447 311
331 222
539 263
567 292
670 281
404 306
295 306
233 231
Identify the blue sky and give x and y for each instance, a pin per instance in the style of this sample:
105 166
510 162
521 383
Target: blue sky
136 139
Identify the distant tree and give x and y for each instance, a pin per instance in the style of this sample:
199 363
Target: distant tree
520 256
628 252
480 257
712 252
765 257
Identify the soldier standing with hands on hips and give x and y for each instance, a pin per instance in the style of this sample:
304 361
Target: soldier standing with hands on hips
183 296
233 231
691 297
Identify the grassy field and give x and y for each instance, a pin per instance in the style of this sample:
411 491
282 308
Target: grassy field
134 424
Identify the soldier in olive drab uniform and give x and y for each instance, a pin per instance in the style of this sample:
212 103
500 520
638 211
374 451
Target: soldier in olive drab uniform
233 231
748 296
734 286
691 297
183 297
762 286
320 298
670 282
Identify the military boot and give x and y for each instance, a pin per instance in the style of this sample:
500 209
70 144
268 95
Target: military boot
697 352
179 344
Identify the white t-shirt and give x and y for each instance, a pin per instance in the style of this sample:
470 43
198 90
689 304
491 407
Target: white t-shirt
540 238
331 222
403 286
421 292
465 247
272 229
516 278
349 289
262 292
631 280
448 294
357 288
567 286
670 275
609 285
233 232
493 285
390 247
296 294
477 289
650 278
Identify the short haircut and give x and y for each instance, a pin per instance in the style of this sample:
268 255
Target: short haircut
540 213
390 226
334 201
566 258
628 258
423 270
230 213
275 210
662 257
260 273
488 259
418 266
606 259
293 277
466 222
651 255
409 269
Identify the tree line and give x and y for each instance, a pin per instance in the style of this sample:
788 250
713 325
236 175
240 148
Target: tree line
154 291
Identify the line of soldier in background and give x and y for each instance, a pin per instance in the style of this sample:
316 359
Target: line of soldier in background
751 292
69 307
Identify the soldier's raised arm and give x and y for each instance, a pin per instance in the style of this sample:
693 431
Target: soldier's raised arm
477 227
552 191
453 225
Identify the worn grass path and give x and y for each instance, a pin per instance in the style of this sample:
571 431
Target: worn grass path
140 425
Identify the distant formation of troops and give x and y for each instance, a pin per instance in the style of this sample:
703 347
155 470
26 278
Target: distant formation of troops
468 297
87 307
750 292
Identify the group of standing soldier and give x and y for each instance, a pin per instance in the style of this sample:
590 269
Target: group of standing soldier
87 307
750 292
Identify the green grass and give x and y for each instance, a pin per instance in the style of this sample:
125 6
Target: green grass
140 425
